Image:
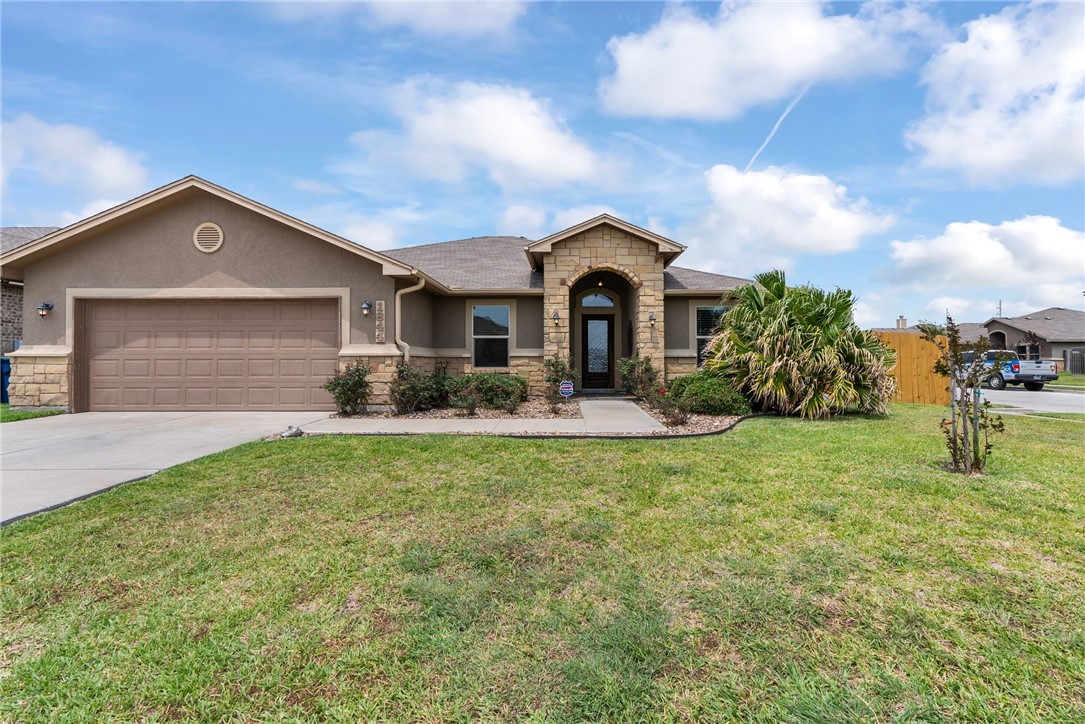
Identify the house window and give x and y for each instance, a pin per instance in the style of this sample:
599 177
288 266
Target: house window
1028 351
490 335
597 300
706 321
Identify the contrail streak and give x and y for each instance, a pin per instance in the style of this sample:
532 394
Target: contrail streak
775 128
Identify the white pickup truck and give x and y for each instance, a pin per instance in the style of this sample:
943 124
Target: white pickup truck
1033 374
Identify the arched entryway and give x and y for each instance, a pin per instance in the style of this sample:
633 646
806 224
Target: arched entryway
997 340
602 305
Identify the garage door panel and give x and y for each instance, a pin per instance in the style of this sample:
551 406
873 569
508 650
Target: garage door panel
104 369
136 396
168 396
205 355
137 368
199 340
168 340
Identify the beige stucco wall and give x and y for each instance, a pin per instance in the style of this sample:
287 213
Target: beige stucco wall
449 323
417 310
600 248
156 251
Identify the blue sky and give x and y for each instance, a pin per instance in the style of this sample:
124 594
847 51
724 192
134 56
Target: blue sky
926 156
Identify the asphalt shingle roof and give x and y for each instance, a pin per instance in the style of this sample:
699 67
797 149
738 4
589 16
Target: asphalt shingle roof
489 263
1055 324
483 263
12 237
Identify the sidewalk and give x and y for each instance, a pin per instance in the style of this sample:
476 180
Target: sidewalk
600 417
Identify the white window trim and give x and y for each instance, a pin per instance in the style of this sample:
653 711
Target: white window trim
470 329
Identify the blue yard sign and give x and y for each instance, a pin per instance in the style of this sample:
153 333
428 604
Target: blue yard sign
566 388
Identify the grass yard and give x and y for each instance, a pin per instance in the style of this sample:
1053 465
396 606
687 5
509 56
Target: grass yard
9 415
1061 415
802 571
1066 379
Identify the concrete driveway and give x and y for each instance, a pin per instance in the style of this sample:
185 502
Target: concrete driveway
49 461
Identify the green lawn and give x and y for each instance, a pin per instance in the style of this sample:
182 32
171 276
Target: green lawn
1061 415
1070 380
799 571
9 415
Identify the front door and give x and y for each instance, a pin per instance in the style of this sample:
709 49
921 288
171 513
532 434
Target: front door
597 333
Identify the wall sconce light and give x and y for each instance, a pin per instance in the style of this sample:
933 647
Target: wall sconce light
556 317
652 318
366 306
44 308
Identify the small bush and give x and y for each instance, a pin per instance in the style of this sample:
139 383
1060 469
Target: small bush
639 377
466 397
350 388
411 390
708 394
440 387
495 391
675 410
556 371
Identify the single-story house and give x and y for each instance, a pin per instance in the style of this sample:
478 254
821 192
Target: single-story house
193 297
1047 334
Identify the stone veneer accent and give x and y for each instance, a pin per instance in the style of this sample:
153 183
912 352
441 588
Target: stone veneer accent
11 316
382 371
605 248
40 381
679 366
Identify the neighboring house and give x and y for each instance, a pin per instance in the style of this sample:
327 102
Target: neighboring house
1047 334
194 297
11 290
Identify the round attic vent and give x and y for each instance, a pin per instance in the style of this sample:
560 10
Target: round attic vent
207 237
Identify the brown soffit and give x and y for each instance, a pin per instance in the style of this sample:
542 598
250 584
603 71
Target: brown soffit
668 249
27 252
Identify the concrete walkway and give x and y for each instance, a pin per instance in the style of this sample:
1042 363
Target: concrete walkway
600 417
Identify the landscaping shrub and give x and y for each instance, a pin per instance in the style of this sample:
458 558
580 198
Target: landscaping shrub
708 394
639 377
675 410
350 388
556 371
494 391
440 387
466 396
411 390
797 351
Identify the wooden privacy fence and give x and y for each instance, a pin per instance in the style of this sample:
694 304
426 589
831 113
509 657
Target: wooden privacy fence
916 380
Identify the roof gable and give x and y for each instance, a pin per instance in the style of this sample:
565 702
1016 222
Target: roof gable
668 248
49 243
1055 324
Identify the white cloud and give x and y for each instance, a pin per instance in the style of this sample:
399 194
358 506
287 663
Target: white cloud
1006 103
434 19
522 220
456 19
369 232
759 219
450 130
688 66
88 210
572 216
312 186
69 156
1029 263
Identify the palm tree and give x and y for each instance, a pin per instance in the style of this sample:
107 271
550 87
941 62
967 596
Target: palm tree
797 351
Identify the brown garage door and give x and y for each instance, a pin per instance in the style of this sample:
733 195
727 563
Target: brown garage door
210 355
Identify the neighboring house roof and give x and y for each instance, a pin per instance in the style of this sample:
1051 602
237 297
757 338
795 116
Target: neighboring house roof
20 255
1055 324
497 263
972 331
12 237
482 263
